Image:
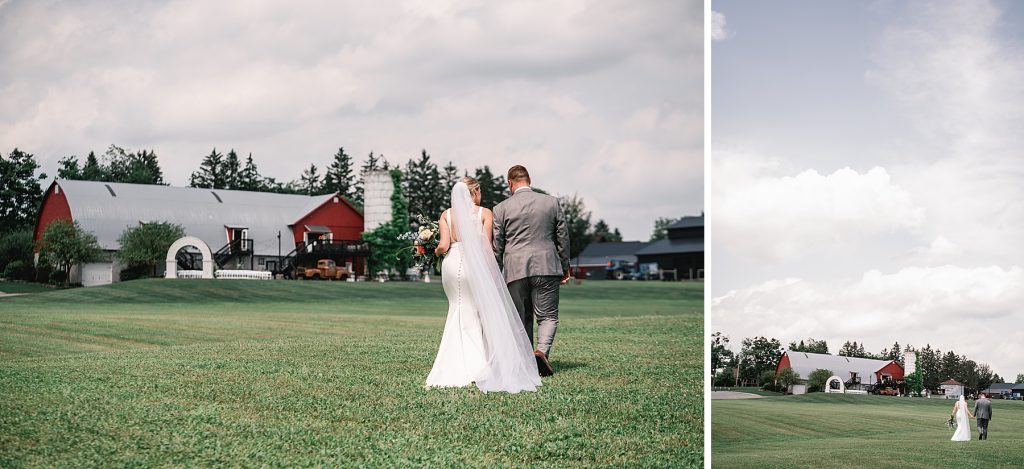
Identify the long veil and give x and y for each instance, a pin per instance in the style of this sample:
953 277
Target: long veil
962 410
510 365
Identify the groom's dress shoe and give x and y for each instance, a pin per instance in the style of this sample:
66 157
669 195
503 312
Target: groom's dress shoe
542 364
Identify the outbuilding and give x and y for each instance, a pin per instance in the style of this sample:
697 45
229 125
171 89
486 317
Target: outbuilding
859 374
245 230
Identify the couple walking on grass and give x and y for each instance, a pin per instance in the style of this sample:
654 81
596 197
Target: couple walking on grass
982 413
502 270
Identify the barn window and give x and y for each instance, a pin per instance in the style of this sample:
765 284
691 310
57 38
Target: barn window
56 189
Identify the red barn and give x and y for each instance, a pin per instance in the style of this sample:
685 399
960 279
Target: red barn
246 230
858 373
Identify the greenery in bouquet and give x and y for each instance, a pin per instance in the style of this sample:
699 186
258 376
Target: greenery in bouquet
423 240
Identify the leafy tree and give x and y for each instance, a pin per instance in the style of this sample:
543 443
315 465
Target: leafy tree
211 172
758 355
20 193
786 378
16 251
232 170
140 167
985 377
372 163
577 219
661 228
492 187
64 243
915 381
339 176
68 168
929 362
1020 378
309 182
817 379
811 346
147 244
721 356
249 177
423 187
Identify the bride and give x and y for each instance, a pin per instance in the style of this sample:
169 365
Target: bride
484 340
963 427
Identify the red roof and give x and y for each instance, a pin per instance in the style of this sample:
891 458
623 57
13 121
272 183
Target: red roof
953 382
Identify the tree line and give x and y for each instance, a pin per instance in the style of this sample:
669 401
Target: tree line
425 184
759 356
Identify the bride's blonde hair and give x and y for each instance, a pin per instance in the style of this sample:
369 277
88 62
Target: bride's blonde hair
471 183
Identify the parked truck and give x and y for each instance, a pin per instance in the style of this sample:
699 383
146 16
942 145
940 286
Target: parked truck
326 269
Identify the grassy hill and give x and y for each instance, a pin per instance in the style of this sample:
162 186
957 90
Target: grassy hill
185 372
829 430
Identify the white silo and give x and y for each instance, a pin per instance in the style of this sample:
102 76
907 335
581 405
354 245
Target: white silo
909 362
377 190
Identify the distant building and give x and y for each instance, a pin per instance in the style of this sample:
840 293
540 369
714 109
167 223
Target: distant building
1005 390
240 227
679 256
599 260
952 389
857 373
682 250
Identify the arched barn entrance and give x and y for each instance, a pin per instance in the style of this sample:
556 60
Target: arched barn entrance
204 249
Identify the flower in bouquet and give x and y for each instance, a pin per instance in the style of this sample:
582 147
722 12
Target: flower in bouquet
423 242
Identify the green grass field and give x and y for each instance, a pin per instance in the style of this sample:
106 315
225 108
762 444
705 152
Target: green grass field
842 431
257 373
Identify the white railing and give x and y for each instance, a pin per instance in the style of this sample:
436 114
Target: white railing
242 274
190 274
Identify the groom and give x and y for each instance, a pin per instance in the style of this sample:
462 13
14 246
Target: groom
531 243
983 412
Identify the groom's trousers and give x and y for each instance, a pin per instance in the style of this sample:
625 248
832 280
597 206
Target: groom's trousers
538 297
982 429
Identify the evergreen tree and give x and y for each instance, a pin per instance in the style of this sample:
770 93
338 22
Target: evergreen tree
92 171
492 188
20 193
372 163
339 176
309 182
602 233
232 171
423 188
249 178
451 176
210 174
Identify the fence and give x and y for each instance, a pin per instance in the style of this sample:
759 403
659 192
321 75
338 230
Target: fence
243 274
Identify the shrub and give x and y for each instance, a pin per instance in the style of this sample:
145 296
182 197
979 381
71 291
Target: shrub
135 272
58 277
16 246
18 270
816 380
42 274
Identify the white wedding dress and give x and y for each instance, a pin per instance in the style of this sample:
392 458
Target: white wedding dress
963 425
484 341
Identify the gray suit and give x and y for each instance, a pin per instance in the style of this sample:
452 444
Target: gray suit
531 243
983 412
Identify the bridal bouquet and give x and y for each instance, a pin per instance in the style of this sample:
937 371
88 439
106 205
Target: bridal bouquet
424 241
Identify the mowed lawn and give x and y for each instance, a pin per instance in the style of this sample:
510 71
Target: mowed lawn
288 373
842 431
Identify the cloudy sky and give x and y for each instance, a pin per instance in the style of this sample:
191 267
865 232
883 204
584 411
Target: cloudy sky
603 98
866 178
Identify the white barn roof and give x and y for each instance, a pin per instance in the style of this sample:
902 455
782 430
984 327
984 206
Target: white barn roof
804 363
107 208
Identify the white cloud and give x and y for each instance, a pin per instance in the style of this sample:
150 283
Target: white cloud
974 311
718 31
477 83
773 218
